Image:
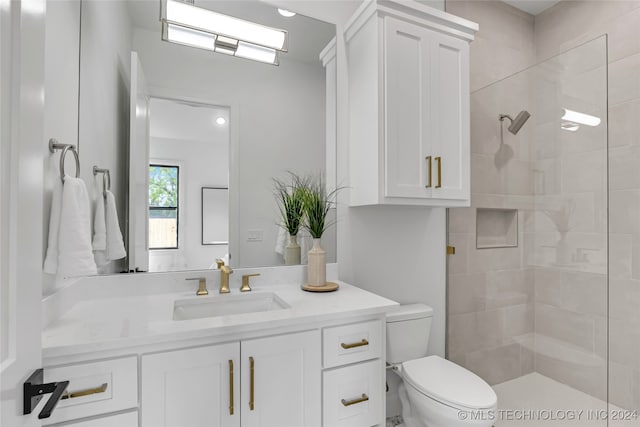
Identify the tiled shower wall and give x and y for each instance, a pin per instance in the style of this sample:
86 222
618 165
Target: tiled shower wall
566 25
569 303
490 291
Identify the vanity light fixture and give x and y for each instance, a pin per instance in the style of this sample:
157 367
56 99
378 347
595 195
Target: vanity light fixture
221 121
189 25
580 118
286 13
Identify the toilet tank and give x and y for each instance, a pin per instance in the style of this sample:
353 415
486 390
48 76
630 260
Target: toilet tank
408 328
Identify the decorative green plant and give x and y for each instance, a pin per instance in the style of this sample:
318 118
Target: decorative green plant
317 203
290 200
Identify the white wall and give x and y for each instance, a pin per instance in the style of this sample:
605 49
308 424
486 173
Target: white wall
277 123
61 100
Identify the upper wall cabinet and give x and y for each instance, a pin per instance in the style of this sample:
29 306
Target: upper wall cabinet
408 68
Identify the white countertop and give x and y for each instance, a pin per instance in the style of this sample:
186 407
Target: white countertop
109 323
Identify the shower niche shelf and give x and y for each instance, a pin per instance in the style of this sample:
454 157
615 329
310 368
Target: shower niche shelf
496 228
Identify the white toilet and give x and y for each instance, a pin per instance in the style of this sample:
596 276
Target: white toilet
435 392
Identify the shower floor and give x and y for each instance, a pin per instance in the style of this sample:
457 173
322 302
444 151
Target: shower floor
536 400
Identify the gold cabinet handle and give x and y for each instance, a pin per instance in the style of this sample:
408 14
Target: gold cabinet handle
354 344
230 387
361 399
428 159
90 391
252 383
439 162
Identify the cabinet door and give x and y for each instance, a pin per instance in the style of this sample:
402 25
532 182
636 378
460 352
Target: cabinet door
450 145
281 378
407 110
194 387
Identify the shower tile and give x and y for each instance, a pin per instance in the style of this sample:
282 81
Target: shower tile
624 300
621 256
518 320
584 172
635 253
624 173
624 343
624 211
496 365
462 220
624 79
585 292
624 126
624 36
548 287
624 386
465 293
574 328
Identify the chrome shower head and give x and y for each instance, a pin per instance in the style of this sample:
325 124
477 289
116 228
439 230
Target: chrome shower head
518 122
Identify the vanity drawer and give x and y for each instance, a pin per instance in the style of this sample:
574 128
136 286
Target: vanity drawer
353 395
352 343
129 419
95 388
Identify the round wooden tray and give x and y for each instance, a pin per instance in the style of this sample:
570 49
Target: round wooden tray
327 287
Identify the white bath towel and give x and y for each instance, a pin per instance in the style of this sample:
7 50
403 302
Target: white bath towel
75 257
304 241
51 259
115 244
99 226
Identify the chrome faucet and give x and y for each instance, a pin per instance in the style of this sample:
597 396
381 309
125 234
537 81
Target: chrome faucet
225 272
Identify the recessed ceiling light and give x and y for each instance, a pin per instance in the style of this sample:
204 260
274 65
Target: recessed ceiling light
221 121
286 13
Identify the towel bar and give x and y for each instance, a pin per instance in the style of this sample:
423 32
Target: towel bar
55 145
106 178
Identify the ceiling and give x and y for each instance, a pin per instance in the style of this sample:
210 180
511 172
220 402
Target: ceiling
307 36
532 7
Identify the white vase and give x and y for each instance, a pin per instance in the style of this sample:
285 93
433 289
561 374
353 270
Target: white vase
292 251
316 265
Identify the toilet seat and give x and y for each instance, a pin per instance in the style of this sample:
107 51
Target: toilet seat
449 383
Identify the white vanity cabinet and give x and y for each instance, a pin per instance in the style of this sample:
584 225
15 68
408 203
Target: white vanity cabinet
408 78
192 387
276 381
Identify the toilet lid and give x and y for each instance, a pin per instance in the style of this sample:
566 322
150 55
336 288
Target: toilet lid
449 383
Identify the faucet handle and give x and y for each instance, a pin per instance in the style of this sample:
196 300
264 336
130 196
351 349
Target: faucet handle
219 263
202 285
245 282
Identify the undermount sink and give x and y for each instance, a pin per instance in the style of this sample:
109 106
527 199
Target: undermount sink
222 305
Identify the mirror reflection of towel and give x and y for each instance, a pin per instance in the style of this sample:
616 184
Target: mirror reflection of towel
108 244
304 240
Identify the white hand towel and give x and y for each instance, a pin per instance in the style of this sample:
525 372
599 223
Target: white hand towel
51 259
99 226
115 244
75 257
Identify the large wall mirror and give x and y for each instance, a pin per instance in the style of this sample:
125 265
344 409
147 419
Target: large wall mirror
194 138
